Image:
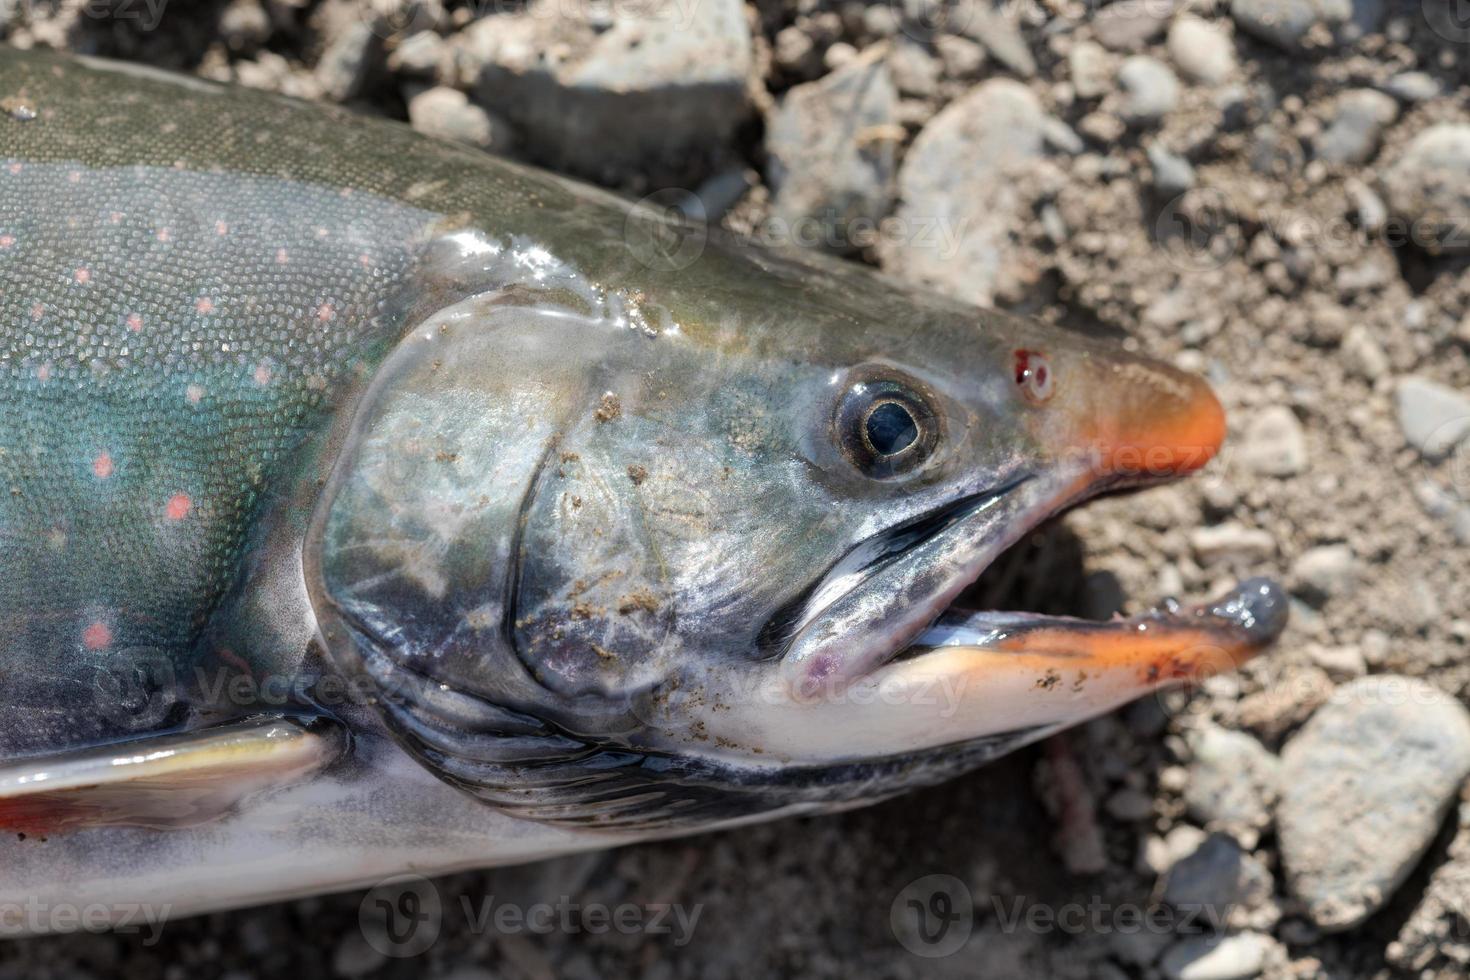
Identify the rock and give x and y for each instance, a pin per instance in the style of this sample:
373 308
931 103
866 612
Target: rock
1129 805
1201 50
914 71
999 35
1235 957
1233 783
1128 25
1340 662
1436 928
1274 443
1324 572
962 58
959 182
606 91
1429 187
349 63
1445 506
1353 134
244 25
1296 24
1365 785
1207 882
420 55
794 51
831 147
1413 86
1230 541
1434 418
1363 354
1150 90
448 114
1172 173
1091 69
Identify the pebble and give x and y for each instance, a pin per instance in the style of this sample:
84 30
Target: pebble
1362 353
1000 36
1149 90
448 113
1234 957
1352 136
1413 86
1324 572
962 58
1128 25
1429 186
831 147
1447 507
914 71
348 63
1233 783
1365 785
1129 805
1208 881
958 180
1201 50
1231 541
634 89
1172 174
1274 443
1434 418
421 54
1091 68
244 24
1296 24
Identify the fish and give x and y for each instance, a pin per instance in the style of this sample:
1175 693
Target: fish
375 505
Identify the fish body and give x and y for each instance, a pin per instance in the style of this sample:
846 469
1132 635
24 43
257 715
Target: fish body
372 504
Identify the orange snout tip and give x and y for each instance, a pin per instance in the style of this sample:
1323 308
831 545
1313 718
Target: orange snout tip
1157 423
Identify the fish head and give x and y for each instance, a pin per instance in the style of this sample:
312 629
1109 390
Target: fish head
693 554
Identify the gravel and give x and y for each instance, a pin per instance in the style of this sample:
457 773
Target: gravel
1429 187
1365 785
1233 782
1435 418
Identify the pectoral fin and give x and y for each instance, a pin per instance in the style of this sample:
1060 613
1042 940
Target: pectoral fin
161 781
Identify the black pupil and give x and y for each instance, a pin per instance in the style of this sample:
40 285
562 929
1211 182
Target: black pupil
891 429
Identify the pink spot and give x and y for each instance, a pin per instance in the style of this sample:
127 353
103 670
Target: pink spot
204 305
220 228
194 393
37 311
83 276
178 507
43 373
281 257
162 234
15 168
322 232
135 322
365 260
263 373
6 241
102 466
75 176
98 636
325 313
115 217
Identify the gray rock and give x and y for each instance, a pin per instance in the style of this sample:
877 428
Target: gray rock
915 72
420 55
244 24
1363 354
1149 90
1274 443
1233 783
962 57
1413 86
1429 187
1296 24
1230 541
1434 417
1128 25
1352 137
349 62
449 114
636 88
999 35
1324 572
1365 785
1201 50
832 148
959 190
1235 957
1208 882
1172 173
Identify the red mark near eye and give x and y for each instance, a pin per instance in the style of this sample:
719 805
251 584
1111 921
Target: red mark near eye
162 234
83 276
194 393
178 507
98 636
282 257
135 322
263 373
6 241
1034 376
220 228
204 305
102 466
325 312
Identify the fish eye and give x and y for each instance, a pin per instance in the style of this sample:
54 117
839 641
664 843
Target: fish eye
886 426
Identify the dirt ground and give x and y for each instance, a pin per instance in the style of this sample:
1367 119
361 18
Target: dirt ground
1286 261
